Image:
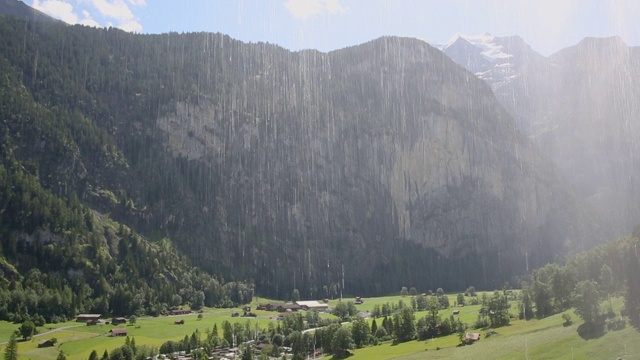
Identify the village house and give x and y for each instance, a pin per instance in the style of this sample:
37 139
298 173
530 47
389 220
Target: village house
118 332
118 320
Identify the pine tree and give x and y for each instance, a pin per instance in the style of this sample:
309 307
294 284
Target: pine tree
11 351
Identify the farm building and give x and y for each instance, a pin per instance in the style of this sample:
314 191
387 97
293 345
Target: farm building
118 332
118 320
86 317
471 337
312 305
179 312
45 343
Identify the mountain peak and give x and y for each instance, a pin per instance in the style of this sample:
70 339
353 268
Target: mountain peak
22 11
490 49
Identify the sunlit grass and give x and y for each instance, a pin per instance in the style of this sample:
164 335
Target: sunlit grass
538 339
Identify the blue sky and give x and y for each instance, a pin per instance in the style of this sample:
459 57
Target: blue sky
547 25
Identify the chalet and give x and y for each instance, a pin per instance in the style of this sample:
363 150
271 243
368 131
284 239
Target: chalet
118 332
359 301
179 322
179 312
45 343
471 337
92 322
312 305
118 320
86 317
456 312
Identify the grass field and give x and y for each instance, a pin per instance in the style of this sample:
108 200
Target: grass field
532 339
78 340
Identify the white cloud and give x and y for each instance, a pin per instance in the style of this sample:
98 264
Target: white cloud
58 9
120 11
303 9
88 19
116 9
130 26
334 7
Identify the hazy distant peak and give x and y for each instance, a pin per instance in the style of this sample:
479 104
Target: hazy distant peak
490 49
615 40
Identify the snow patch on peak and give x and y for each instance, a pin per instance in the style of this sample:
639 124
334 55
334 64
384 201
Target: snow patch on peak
486 42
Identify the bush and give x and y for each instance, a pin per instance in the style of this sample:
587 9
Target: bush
567 319
482 322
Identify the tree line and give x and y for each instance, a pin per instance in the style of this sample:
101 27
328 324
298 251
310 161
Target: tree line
587 282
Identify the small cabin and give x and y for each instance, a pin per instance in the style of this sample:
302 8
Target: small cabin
118 332
45 343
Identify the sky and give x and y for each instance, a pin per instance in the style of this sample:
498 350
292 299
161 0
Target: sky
325 25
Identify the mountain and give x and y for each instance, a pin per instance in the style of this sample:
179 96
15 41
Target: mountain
578 106
497 60
381 165
21 10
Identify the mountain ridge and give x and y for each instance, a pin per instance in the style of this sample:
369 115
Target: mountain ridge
386 159
577 106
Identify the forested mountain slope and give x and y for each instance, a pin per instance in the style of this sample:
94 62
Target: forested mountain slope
386 161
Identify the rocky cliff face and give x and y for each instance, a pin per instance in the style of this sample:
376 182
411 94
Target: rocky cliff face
354 150
385 163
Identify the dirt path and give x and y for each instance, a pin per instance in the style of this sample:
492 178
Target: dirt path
49 332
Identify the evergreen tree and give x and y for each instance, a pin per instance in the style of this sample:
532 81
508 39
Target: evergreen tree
93 355
11 350
247 354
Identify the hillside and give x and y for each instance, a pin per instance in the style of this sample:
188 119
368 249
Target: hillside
385 162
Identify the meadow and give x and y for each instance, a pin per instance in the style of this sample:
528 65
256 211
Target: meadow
532 339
